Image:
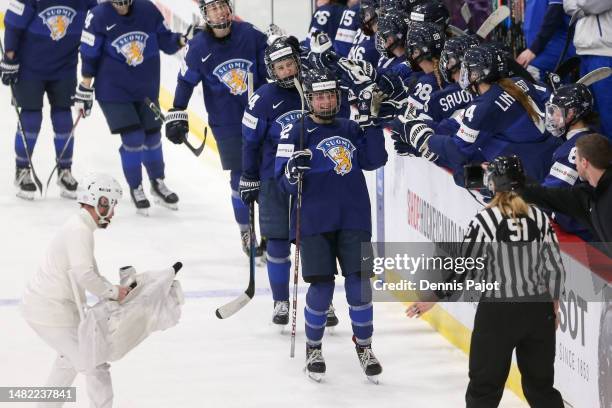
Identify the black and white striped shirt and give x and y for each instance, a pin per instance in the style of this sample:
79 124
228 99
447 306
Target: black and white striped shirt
522 254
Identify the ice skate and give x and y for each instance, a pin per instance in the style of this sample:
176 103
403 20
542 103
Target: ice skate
315 364
261 253
162 195
370 365
68 185
280 315
332 319
140 201
246 246
24 183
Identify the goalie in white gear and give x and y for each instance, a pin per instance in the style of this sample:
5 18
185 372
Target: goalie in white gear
52 297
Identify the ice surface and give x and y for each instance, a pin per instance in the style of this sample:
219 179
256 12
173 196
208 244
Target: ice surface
203 362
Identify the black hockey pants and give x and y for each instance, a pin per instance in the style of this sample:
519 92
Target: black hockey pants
499 328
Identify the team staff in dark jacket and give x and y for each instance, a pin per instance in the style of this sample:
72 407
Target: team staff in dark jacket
590 202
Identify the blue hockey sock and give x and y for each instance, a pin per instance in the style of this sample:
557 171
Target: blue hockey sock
131 156
31 121
153 156
279 263
62 126
241 211
318 299
359 297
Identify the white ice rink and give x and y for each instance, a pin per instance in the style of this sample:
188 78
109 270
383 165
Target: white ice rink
203 362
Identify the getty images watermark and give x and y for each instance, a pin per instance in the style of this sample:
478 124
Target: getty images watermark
427 271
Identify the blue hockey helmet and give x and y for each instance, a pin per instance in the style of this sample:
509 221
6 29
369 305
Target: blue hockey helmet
320 89
280 50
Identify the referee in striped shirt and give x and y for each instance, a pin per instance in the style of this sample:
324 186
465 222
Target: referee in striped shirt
521 253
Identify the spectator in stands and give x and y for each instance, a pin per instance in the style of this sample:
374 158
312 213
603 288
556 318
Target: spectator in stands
546 28
479 10
593 41
590 202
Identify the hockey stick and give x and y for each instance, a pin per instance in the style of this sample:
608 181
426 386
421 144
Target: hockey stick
229 309
495 19
298 210
21 132
235 305
59 158
570 34
159 115
595 75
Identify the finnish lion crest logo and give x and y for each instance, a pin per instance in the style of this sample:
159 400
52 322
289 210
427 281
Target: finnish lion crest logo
340 151
132 46
58 19
233 74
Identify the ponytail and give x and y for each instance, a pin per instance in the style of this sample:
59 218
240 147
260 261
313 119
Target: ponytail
436 71
510 204
517 93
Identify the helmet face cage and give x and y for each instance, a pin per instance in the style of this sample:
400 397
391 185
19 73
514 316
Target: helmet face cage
207 6
555 119
571 98
325 113
451 56
277 52
122 2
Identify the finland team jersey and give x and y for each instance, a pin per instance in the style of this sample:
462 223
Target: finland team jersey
444 102
335 195
364 49
349 23
563 173
420 94
45 35
270 112
122 52
222 65
325 19
495 124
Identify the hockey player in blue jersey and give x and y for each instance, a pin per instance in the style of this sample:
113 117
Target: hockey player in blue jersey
569 116
326 19
272 110
445 102
120 48
424 44
363 47
41 54
329 154
347 30
221 57
505 118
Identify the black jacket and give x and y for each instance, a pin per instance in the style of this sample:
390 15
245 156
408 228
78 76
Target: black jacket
590 206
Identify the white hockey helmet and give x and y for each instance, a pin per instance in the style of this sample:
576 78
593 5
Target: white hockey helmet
100 191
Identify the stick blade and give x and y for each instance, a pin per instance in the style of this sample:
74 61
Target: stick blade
595 75
495 19
232 307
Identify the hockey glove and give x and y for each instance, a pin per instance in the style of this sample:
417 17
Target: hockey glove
9 69
368 105
298 164
394 90
273 32
320 42
83 99
249 189
357 72
177 125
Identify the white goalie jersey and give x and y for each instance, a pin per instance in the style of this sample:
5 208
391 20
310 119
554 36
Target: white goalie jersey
109 330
